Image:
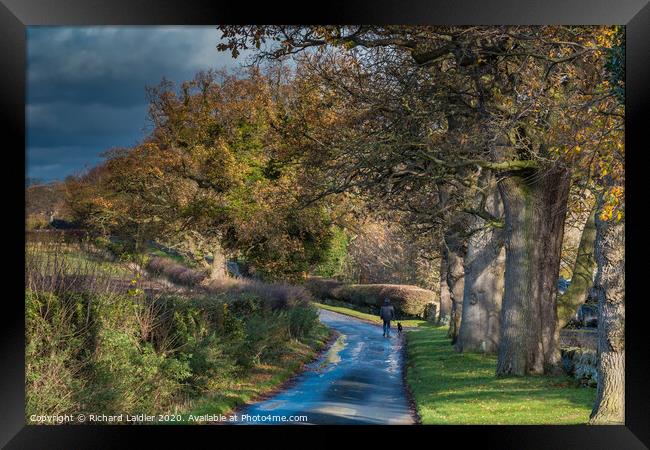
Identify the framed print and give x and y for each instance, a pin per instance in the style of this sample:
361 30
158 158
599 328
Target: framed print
381 219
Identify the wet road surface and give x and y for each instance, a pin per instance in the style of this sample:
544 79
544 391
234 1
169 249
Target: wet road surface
357 382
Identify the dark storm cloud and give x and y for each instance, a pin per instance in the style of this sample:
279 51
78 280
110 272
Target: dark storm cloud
86 87
55 124
47 163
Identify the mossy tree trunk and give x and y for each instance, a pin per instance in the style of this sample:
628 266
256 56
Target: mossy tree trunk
454 255
583 274
445 296
535 204
610 291
484 281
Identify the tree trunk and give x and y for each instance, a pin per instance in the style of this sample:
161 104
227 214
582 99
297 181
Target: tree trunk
583 274
535 208
610 291
445 296
484 280
454 255
218 269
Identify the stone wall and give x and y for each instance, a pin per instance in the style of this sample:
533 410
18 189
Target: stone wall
579 354
583 338
581 364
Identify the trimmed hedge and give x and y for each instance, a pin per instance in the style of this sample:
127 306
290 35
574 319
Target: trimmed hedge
277 295
584 338
322 288
408 300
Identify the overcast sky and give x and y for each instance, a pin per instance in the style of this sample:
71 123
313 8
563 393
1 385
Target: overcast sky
86 87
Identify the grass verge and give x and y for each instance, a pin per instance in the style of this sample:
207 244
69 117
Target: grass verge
261 381
95 344
461 388
411 323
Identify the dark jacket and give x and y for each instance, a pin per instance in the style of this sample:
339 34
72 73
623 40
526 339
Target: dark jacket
387 312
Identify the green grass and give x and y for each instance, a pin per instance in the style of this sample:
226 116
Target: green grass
153 251
411 323
461 388
263 379
79 260
73 260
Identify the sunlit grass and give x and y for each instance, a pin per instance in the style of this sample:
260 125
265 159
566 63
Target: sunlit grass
71 258
461 388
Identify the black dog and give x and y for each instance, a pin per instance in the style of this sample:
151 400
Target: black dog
399 328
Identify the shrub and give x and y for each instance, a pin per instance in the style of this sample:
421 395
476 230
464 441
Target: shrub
157 265
122 249
275 296
209 362
51 368
244 305
408 300
127 374
91 348
279 295
321 287
302 321
131 377
190 277
175 272
266 336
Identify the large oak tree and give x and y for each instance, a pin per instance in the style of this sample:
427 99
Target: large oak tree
518 101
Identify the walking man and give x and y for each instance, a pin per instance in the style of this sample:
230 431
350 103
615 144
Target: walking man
387 313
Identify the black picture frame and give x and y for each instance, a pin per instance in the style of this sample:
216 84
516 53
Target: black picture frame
16 15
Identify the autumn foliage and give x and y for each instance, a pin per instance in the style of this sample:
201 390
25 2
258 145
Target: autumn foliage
209 177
